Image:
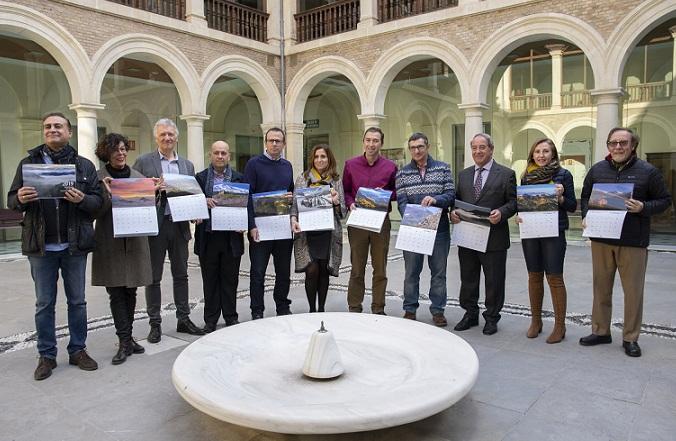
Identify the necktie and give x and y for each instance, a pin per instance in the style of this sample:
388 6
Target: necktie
478 183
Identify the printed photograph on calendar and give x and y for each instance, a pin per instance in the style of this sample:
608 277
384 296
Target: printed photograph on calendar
373 198
472 213
180 185
540 197
51 181
313 198
272 203
610 196
132 192
231 194
421 217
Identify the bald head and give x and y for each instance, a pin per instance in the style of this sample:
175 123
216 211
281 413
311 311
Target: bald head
219 155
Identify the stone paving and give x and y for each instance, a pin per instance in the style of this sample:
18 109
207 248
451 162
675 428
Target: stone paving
527 389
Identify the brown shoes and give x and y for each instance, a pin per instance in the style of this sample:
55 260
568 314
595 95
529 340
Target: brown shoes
82 360
409 315
439 320
44 369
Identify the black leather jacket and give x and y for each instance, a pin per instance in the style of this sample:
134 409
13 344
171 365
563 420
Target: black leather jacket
80 217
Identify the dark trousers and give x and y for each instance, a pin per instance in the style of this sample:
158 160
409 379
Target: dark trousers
545 254
317 284
123 307
259 253
494 265
171 240
220 276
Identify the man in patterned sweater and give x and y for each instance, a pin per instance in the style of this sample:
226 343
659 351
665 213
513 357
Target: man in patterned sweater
426 182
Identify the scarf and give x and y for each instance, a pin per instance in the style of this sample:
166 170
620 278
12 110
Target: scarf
63 156
117 173
540 175
316 179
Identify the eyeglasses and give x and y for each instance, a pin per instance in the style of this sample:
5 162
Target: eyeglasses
622 143
274 141
417 147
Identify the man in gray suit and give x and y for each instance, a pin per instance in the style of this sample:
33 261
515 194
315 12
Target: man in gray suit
487 184
173 236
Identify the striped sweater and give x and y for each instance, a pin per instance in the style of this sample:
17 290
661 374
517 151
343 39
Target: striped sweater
438 183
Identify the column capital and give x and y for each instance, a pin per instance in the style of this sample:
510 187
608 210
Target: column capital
473 109
267 126
556 49
673 31
297 128
608 96
85 110
371 119
194 118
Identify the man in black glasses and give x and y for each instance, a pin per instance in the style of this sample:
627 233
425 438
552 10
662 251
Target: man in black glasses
629 253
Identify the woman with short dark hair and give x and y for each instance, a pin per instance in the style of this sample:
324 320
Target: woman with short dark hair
122 264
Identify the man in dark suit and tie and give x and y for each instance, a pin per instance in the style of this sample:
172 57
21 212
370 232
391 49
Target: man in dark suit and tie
173 236
487 184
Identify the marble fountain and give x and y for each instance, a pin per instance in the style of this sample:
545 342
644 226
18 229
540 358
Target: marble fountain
394 371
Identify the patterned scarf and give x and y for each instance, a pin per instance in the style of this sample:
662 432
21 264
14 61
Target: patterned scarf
316 179
63 156
540 175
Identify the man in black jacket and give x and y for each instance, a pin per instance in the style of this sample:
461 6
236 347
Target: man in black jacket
629 253
220 252
57 235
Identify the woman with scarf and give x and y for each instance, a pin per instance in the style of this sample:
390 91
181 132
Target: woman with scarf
319 253
545 255
122 264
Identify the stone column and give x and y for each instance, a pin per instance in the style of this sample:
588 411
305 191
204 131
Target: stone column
195 139
274 30
368 13
556 52
673 61
371 120
608 106
294 146
194 12
87 135
474 123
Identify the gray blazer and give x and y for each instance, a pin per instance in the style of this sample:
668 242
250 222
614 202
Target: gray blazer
498 192
149 166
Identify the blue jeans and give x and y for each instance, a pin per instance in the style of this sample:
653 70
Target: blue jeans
413 264
45 273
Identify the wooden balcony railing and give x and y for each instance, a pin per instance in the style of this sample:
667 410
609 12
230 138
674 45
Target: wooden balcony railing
639 93
576 98
389 10
520 103
168 8
341 16
233 18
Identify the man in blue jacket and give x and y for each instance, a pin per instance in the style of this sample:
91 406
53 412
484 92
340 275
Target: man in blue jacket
57 235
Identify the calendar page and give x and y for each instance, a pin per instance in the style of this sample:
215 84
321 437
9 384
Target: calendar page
134 211
604 224
51 181
416 240
316 220
366 219
274 227
229 219
539 224
470 235
190 207
134 221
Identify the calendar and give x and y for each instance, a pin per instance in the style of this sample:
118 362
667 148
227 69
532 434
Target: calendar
536 224
470 235
134 211
370 220
316 220
229 219
274 227
604 224
371 209
190 207
315 208
418 229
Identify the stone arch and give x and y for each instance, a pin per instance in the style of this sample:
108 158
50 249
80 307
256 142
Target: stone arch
392 61
253 74
311 74
540 127
529 29
635 25
164 54
56 40
585 121
655 119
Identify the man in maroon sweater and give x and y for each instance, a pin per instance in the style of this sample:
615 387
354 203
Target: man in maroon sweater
372 171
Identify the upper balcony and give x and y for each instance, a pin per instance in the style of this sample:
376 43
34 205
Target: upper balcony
168 8
389 10
331 19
